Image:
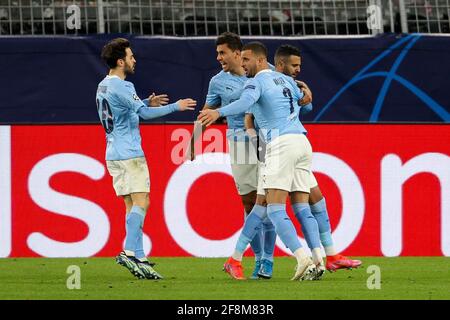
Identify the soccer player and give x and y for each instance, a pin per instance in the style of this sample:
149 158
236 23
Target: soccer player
288 61
224 88
119 109
266 269
275 99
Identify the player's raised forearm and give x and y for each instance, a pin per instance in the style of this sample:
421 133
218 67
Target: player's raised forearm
237 107
156 112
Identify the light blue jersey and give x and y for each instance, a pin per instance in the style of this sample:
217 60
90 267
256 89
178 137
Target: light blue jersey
273 98
303 110
224 88
119 108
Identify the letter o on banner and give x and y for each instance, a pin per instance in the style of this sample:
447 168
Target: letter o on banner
175 212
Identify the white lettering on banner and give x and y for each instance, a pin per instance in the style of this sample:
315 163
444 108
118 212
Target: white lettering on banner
353 203
393 176
178 153
5 191
71 206
175 199
180 150
216 138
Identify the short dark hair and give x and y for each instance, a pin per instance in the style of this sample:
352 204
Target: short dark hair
232 40
114 50
285 51
256 47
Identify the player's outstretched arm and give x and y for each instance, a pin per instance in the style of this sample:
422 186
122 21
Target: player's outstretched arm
208 117
156 112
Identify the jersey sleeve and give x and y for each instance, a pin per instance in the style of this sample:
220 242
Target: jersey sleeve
128 96
306 108
156 112
249 96
213 97
252 89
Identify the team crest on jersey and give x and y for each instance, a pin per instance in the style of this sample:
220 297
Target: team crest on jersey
135 97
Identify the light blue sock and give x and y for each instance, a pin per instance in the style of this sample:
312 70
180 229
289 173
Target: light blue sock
270 237
135 220
309 224
283 226
139 253
319 211
256 243
252 226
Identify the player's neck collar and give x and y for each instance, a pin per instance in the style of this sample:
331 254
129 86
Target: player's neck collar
113 76
235 74
262 71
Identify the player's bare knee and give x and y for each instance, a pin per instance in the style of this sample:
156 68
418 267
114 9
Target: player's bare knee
248 200
299 197
146 201
276 196
315 195
141 200
128 202
261 201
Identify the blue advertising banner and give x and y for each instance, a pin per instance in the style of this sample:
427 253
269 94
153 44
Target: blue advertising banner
389 78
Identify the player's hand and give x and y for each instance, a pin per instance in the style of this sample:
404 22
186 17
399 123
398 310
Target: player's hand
307 94
158 100
208 117
186 104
